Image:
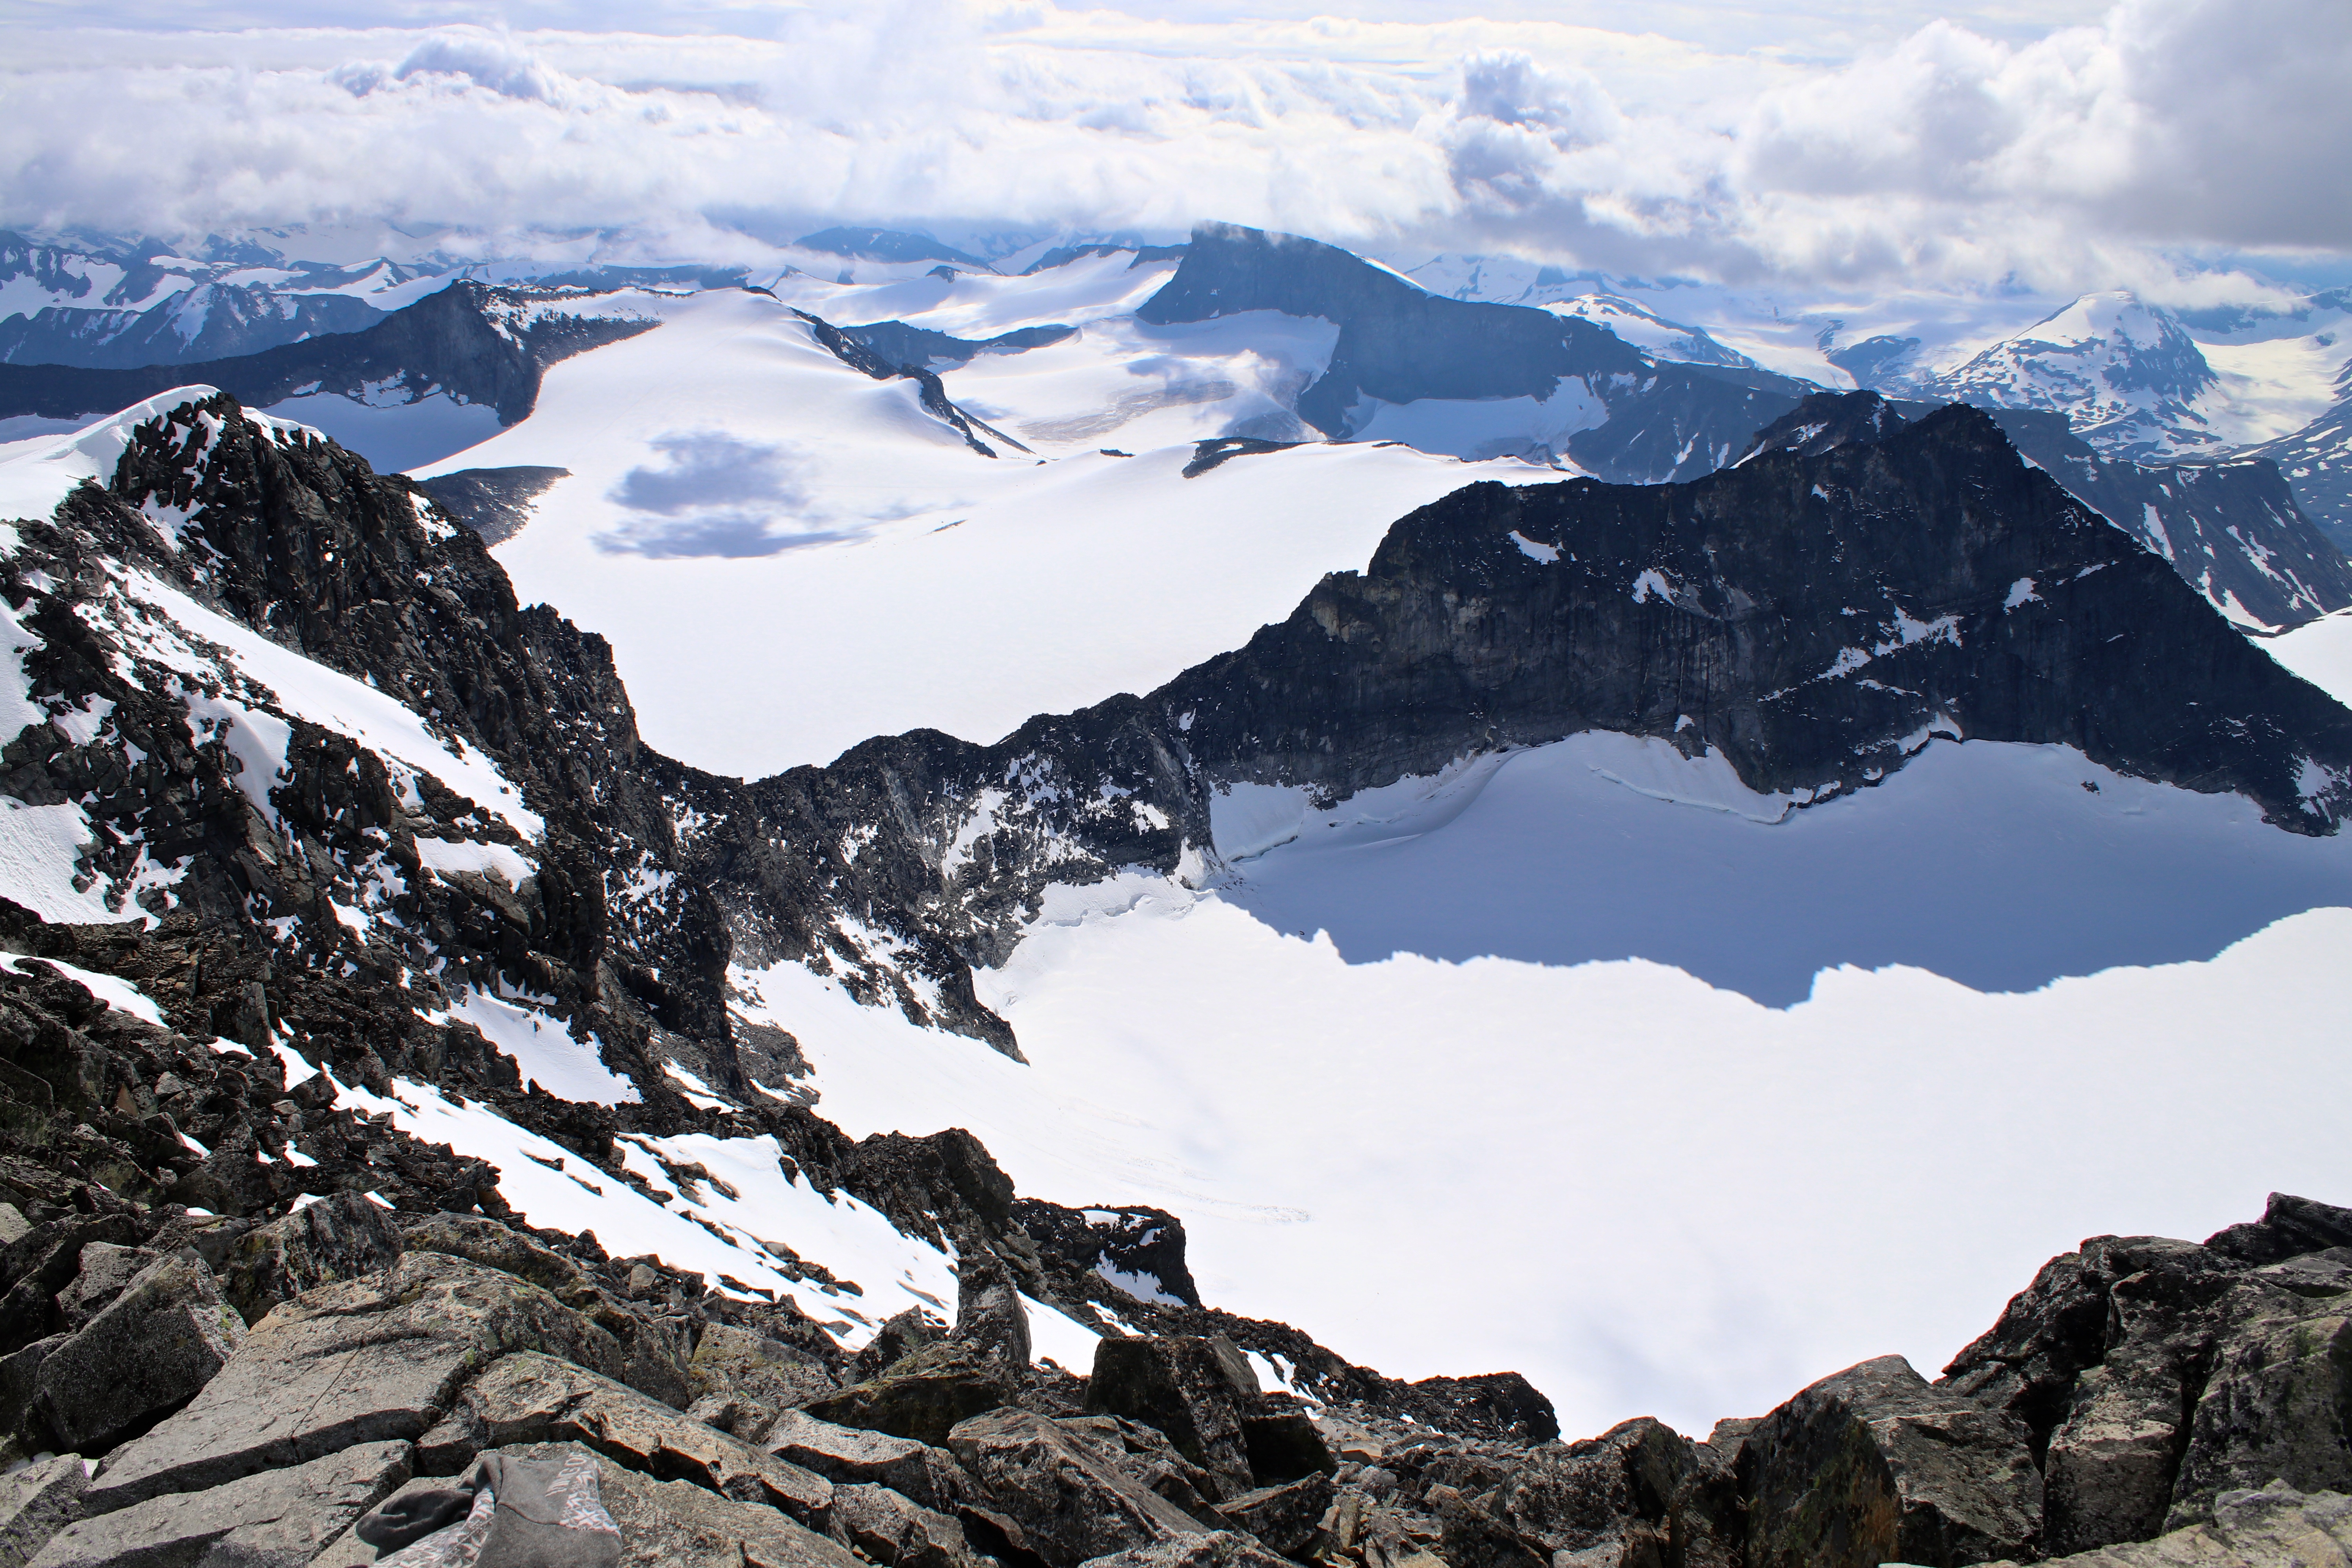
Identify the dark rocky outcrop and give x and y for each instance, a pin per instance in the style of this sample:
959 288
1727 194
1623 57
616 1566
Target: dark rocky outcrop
494 502
2317 463
1399 343
2232 529
475 341
920 346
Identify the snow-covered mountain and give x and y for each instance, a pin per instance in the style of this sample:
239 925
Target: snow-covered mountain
2128 377
1537 790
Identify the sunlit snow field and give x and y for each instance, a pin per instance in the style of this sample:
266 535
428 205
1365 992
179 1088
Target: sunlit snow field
1651 1194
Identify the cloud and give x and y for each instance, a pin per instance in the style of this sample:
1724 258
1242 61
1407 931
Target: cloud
1945 157
713 494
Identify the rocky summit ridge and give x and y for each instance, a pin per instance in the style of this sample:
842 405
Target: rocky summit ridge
247 1316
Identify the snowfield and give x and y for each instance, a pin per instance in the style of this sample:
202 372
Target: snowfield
789 557
1648 1193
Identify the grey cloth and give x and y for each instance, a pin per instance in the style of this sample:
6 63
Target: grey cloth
501 1513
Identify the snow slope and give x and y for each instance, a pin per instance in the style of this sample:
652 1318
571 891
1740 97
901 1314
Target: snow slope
1649 1194
789 557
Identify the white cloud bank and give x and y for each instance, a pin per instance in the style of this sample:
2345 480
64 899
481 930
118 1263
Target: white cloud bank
2095 155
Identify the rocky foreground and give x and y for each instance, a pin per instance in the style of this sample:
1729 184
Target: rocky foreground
348 1382
245 1318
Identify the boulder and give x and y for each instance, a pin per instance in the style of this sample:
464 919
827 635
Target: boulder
1473 1538
2108 1472
669 1524
43 1261
886 1527
1218 1549
1284 1446
2275 1409
1191 1388
20 1371
345 1235
279 1518
1605 1502
105 1271
2276 1527
527 1398
502 1247
2060 1324
738 1363
900 1336
1071 1503
36 1502
990 1318
1285 1517
1146 1457
358 1361
849 1457
159 1341
921 1397
1874 1466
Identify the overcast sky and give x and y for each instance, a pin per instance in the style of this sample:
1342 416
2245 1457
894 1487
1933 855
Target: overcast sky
2044 149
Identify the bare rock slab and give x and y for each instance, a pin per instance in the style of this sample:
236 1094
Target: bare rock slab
279 1518
532 1398
849 1457
666 1525
356 1361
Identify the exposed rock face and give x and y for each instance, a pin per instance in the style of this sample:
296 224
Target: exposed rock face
1874 1466
1398 343
2316 462
476 342
1607 1500
36 1502
1140 1250
749 1366
926 1475
494 502
989 1319
2276 1527
1285 1517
